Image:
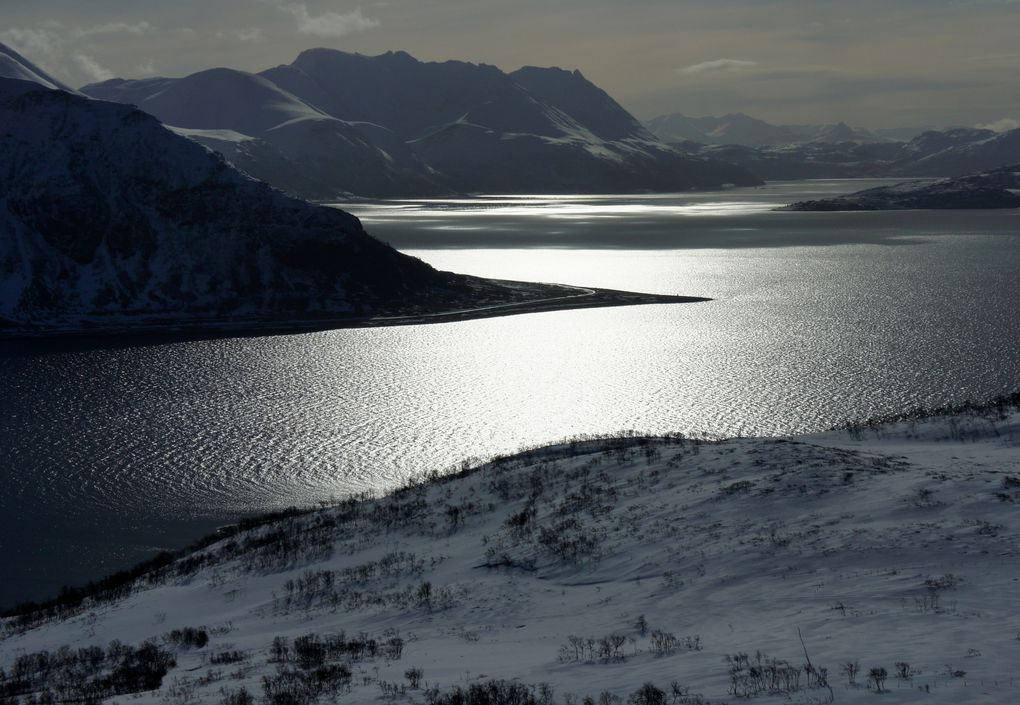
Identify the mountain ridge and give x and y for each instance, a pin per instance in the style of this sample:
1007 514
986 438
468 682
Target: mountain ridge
435 127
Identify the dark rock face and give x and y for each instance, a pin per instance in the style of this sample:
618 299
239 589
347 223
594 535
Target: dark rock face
104 212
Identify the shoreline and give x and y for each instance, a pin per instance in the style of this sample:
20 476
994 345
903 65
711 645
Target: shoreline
580 298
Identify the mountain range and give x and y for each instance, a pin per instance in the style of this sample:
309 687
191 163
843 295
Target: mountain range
936 153
333 123
111 220
747 131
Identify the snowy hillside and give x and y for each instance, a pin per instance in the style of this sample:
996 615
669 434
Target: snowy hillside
827 568
390 125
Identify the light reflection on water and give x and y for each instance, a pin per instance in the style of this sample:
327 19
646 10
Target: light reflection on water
110 451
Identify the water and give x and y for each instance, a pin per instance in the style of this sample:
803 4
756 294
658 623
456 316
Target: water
110 450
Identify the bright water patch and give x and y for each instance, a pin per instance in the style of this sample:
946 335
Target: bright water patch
109 451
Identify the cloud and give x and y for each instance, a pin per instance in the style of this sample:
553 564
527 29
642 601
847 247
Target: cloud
329 24
246 34
67 51
91 68
1003 125
719 65
146 69
113 28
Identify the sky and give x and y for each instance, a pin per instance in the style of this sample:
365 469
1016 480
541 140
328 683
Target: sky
871 63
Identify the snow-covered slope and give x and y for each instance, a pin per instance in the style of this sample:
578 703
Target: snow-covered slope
294 146
807 570
107 216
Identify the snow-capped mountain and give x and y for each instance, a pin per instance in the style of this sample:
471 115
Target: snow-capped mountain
935 153
274 136
108 217
736 128
744 130
331 121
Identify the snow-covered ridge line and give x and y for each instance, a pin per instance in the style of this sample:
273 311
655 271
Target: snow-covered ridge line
606 568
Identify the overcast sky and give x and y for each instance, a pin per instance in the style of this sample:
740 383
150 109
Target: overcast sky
872 63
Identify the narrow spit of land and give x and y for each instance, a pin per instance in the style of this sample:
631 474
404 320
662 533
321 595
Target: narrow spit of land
490 298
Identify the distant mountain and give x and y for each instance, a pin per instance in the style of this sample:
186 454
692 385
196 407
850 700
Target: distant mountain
900 134
953 152
957 152
729 129
276 137
746 131
999 188
333 122
107 218
583 102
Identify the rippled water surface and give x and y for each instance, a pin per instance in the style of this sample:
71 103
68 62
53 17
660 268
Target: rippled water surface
110 450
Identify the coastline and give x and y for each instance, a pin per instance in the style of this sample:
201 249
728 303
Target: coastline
539 298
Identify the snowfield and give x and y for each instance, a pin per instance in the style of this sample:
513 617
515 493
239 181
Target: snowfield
715 571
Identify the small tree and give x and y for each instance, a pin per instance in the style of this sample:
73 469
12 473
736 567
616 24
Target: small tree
641 625
647 694
413 676
878 676
851 669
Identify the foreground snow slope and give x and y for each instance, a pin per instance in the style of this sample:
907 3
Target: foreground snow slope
895 544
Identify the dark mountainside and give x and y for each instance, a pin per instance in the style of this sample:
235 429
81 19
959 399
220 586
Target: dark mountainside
106 213
110 222
333 123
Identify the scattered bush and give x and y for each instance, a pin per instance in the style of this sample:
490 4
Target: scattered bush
88 675
647 694
878 676
764 675
414 676
187 637
488 693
